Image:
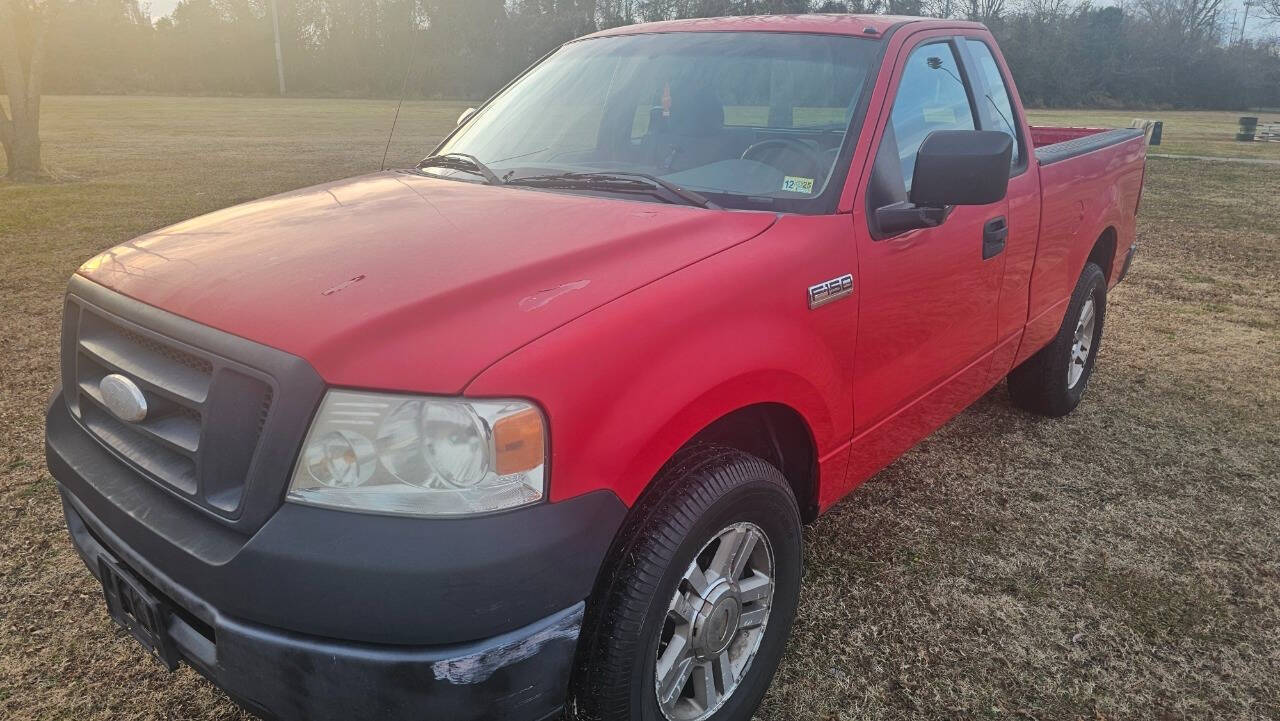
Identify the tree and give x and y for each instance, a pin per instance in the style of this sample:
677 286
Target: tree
1063 53
1270 9
24 25
985 11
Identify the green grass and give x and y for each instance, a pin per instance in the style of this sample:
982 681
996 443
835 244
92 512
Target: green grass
1121 562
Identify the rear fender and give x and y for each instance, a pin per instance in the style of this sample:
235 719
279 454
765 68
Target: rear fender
1102 202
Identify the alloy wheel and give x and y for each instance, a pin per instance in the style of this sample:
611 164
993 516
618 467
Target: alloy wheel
715 623
1082 344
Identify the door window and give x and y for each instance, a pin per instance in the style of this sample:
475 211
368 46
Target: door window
931 96
999 102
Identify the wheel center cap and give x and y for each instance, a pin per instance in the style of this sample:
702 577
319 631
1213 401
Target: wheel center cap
717 624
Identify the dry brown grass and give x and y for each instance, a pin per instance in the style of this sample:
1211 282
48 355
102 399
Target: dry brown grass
1186 132
1123 562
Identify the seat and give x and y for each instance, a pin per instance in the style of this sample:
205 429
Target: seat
692 133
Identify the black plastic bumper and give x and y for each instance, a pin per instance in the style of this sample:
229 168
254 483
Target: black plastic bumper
353 576
324 614
520 675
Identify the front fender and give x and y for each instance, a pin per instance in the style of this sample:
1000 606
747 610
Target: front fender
629 383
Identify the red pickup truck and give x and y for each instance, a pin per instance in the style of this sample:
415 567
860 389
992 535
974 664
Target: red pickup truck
533 426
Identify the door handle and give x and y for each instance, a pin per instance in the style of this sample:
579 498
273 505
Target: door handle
994 235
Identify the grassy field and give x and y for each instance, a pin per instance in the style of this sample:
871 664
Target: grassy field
1123 562
1185 132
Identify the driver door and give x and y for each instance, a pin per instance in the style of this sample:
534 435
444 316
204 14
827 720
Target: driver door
929 297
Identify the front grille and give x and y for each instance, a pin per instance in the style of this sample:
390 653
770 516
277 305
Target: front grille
205 413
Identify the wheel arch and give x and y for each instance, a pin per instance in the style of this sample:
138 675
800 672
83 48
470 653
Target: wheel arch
776 433
1103 252
773 414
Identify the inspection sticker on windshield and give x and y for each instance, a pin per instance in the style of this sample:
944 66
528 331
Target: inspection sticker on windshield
794 184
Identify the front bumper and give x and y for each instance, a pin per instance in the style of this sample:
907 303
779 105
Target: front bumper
323 614
521 674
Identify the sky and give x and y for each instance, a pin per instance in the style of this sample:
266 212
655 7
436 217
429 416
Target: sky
159 8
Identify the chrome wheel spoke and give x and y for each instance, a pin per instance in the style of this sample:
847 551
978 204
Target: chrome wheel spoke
722 665
753 619
731 557
705 693
755 588
682 609
699 581
674 668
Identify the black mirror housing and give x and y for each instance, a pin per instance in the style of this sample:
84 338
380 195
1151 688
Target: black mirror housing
962 167
902 217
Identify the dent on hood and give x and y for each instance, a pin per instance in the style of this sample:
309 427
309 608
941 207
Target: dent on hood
542 297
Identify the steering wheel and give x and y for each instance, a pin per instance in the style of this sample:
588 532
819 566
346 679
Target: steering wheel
803 150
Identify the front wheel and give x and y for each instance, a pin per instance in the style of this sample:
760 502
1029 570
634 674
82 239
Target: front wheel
693 614
1052 382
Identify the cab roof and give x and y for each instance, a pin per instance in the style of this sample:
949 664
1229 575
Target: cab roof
873 26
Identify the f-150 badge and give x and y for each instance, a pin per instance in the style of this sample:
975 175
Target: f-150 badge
830 290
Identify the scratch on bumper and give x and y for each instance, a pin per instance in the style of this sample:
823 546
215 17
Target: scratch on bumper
478 667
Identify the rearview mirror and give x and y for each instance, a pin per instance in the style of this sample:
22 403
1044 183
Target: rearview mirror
466 114
961 167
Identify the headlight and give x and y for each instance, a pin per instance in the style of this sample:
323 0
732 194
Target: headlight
419 456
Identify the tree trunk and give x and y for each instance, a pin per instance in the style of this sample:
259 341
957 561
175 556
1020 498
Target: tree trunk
20 134
22 152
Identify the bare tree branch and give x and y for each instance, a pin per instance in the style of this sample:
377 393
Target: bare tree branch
1269 9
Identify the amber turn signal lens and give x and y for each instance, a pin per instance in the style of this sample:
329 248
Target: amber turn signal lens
519 443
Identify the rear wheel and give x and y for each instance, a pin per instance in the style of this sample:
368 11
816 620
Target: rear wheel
692 616
1053 381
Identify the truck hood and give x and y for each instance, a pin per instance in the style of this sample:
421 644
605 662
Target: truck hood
399 281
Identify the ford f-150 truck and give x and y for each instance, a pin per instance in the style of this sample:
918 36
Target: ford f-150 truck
532 427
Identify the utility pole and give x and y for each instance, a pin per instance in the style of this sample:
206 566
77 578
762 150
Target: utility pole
275 25
1245 23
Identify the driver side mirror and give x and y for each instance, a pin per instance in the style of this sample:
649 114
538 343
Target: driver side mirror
466 114
953 167
961 167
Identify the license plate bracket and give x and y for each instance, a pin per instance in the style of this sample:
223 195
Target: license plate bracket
133 606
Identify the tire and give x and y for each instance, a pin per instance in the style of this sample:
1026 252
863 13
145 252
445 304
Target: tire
1052 382
682 524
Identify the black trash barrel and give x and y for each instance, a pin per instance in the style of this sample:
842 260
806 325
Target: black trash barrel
1248 128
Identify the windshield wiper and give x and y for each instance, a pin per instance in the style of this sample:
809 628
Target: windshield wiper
464 162
617 182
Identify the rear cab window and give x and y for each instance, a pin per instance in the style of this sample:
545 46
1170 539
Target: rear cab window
996 97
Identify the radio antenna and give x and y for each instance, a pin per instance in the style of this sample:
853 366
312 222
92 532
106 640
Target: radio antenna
404 86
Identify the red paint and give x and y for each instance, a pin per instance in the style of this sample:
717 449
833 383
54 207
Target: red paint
1081 198
1045 135
635 324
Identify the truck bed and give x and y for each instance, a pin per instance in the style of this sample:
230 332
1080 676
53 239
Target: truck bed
1090 183
1053 144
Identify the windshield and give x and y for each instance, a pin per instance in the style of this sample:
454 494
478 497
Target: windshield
747 119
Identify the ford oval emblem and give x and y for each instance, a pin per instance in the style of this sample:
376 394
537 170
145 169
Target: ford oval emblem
123 398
